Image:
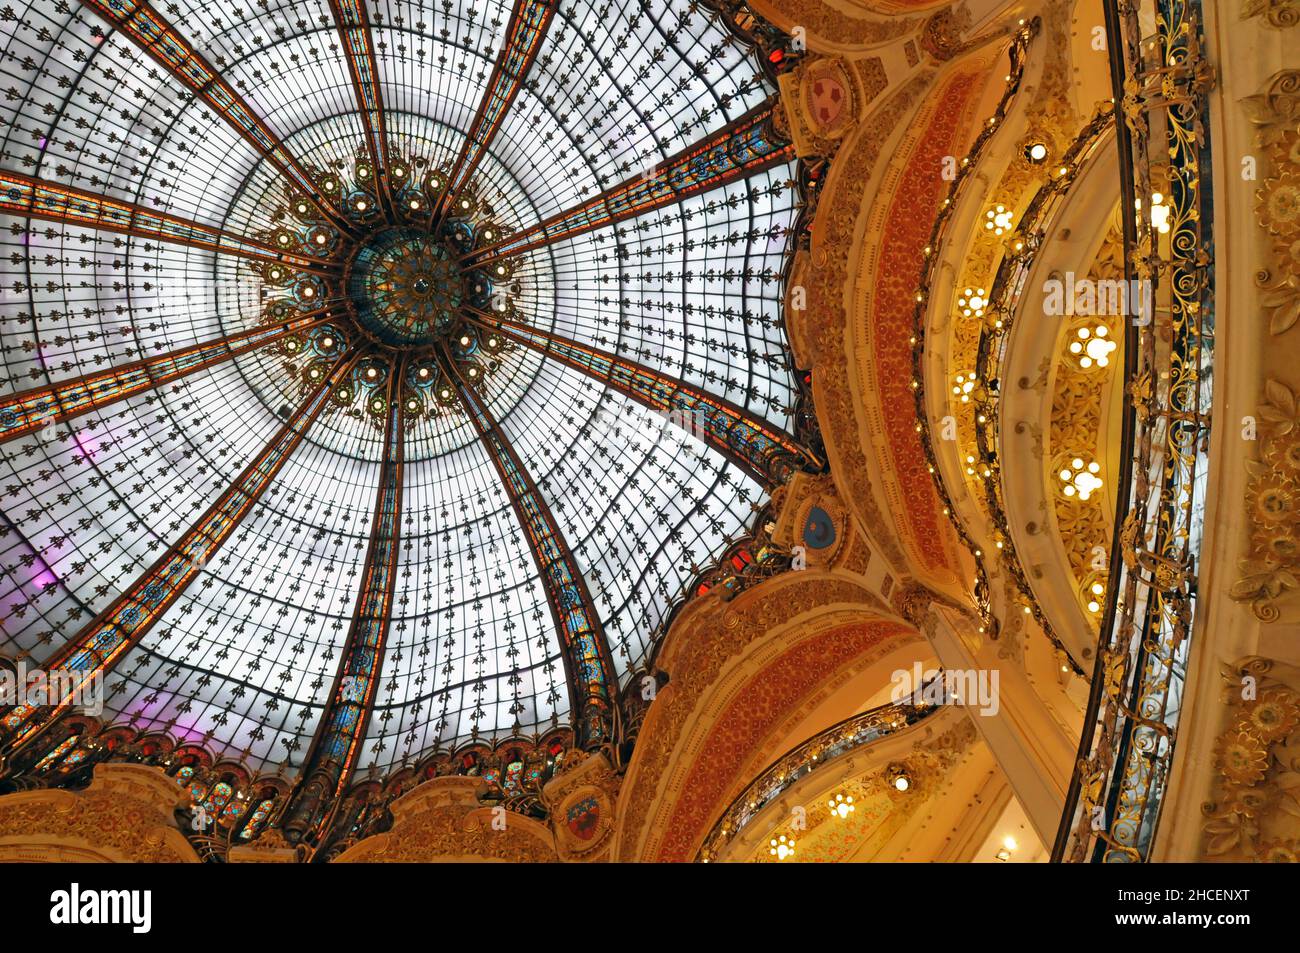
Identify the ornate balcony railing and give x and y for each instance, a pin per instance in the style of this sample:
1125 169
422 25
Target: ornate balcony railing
994 344
1125 754
816 753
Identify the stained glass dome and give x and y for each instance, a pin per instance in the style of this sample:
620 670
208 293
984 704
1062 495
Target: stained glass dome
381 377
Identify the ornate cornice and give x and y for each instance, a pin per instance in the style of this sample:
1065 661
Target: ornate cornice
126 815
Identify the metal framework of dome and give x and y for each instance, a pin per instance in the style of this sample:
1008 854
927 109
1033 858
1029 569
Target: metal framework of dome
378 377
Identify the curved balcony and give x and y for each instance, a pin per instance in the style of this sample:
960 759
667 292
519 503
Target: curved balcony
1126 752
805 773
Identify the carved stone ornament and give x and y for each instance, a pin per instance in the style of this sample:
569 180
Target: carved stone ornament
813 519
582 799
1277 200
442 820
126 815
1272 506
824 98
1255 814
1276 13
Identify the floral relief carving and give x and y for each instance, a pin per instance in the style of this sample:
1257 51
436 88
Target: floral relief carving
1255 814
884 320
744 722
1277 201
442 819
1273 506
1076 433
125 815
1276 13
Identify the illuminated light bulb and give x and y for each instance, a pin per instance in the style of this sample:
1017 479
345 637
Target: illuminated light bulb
902 782
492 342
372 373
321 239
1093 347
413 404
841 806
972 302
362 205
781 847
399 171
327 342
998 219
444 393
1009 842
1036 152
1079 480
464 341
309 292
414 203
424 372
1159 212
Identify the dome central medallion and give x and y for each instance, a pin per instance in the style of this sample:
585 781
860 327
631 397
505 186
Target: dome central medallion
398 287
406 287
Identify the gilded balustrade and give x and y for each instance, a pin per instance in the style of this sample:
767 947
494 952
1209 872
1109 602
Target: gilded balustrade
1130 727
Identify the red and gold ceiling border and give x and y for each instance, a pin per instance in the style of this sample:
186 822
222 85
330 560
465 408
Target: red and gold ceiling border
709 638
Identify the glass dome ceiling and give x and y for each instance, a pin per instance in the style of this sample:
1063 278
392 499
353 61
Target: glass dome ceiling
377 378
